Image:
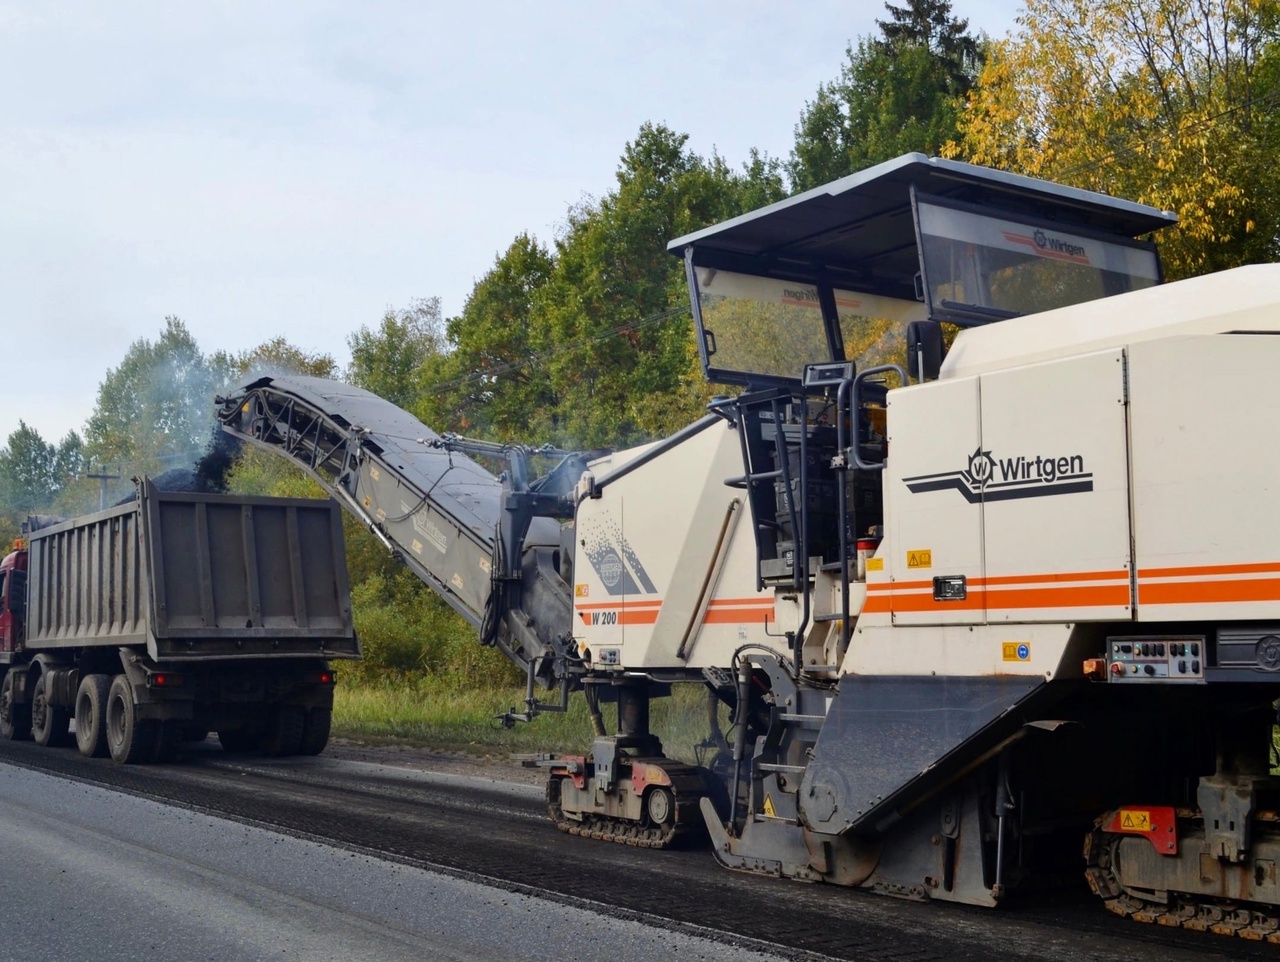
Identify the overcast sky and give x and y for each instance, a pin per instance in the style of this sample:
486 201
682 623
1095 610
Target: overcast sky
295 168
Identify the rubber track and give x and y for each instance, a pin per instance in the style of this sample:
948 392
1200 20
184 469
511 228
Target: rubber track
1244 919
688 786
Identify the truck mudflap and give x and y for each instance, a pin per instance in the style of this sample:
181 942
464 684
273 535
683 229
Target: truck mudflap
1158 865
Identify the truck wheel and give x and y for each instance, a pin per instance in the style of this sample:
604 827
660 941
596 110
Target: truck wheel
129 740
91 715
50 723
315 734
238 740
15 720
284 730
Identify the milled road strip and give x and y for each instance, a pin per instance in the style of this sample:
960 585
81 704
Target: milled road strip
125 874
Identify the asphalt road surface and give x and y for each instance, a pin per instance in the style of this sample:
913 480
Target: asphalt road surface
91 873
242 857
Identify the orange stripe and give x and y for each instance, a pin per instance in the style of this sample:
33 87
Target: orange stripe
1023 598
740 602
975 601
1065 576
737 616
1209 592
1264 567
647 617
1081 597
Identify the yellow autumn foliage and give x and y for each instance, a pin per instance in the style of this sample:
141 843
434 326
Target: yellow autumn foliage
1161 101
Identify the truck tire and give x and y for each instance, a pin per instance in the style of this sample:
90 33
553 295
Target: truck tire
238 740
315 734
15 720
284 730
50 723
91 715
128 740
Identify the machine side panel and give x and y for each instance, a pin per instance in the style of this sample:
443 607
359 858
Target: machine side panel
932 553
670 581
1056 506
1205 477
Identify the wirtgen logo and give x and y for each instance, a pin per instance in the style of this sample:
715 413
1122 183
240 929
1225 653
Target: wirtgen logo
613 558
1046 245
988 478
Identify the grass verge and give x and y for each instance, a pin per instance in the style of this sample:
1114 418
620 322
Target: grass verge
446 716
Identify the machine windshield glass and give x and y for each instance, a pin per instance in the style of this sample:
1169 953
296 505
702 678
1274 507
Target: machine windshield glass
758 325
979 268
770 328
874 329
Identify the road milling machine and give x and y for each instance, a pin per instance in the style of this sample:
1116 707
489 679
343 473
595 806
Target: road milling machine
980 548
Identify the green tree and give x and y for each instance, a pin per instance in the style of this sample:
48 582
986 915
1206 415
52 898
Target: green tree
900 92
616 305
154 411
493 381
389 361
34 473
590 344
928 24
9 533
278 357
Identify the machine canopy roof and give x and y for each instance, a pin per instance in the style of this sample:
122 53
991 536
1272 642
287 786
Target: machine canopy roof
859 232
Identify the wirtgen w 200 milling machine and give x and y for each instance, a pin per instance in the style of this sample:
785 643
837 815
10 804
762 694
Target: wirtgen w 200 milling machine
971 613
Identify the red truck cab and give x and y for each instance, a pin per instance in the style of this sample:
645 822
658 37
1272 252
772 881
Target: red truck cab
13 600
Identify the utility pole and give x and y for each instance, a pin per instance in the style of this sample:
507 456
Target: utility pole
102 478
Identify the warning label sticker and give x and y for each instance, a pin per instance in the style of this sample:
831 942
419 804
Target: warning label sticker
1133 820
768 806
920 559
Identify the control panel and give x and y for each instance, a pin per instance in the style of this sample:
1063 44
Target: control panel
827 375
1149 659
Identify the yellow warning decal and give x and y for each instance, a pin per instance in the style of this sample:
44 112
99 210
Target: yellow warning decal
920 559
368 501
375 473
1133 820
1015 650
580 591
875 564
416 546
768 806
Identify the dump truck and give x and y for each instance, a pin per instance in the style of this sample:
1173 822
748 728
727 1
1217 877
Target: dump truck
173 615
978 549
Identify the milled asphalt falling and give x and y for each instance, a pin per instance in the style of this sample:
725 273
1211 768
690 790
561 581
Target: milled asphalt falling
89 873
